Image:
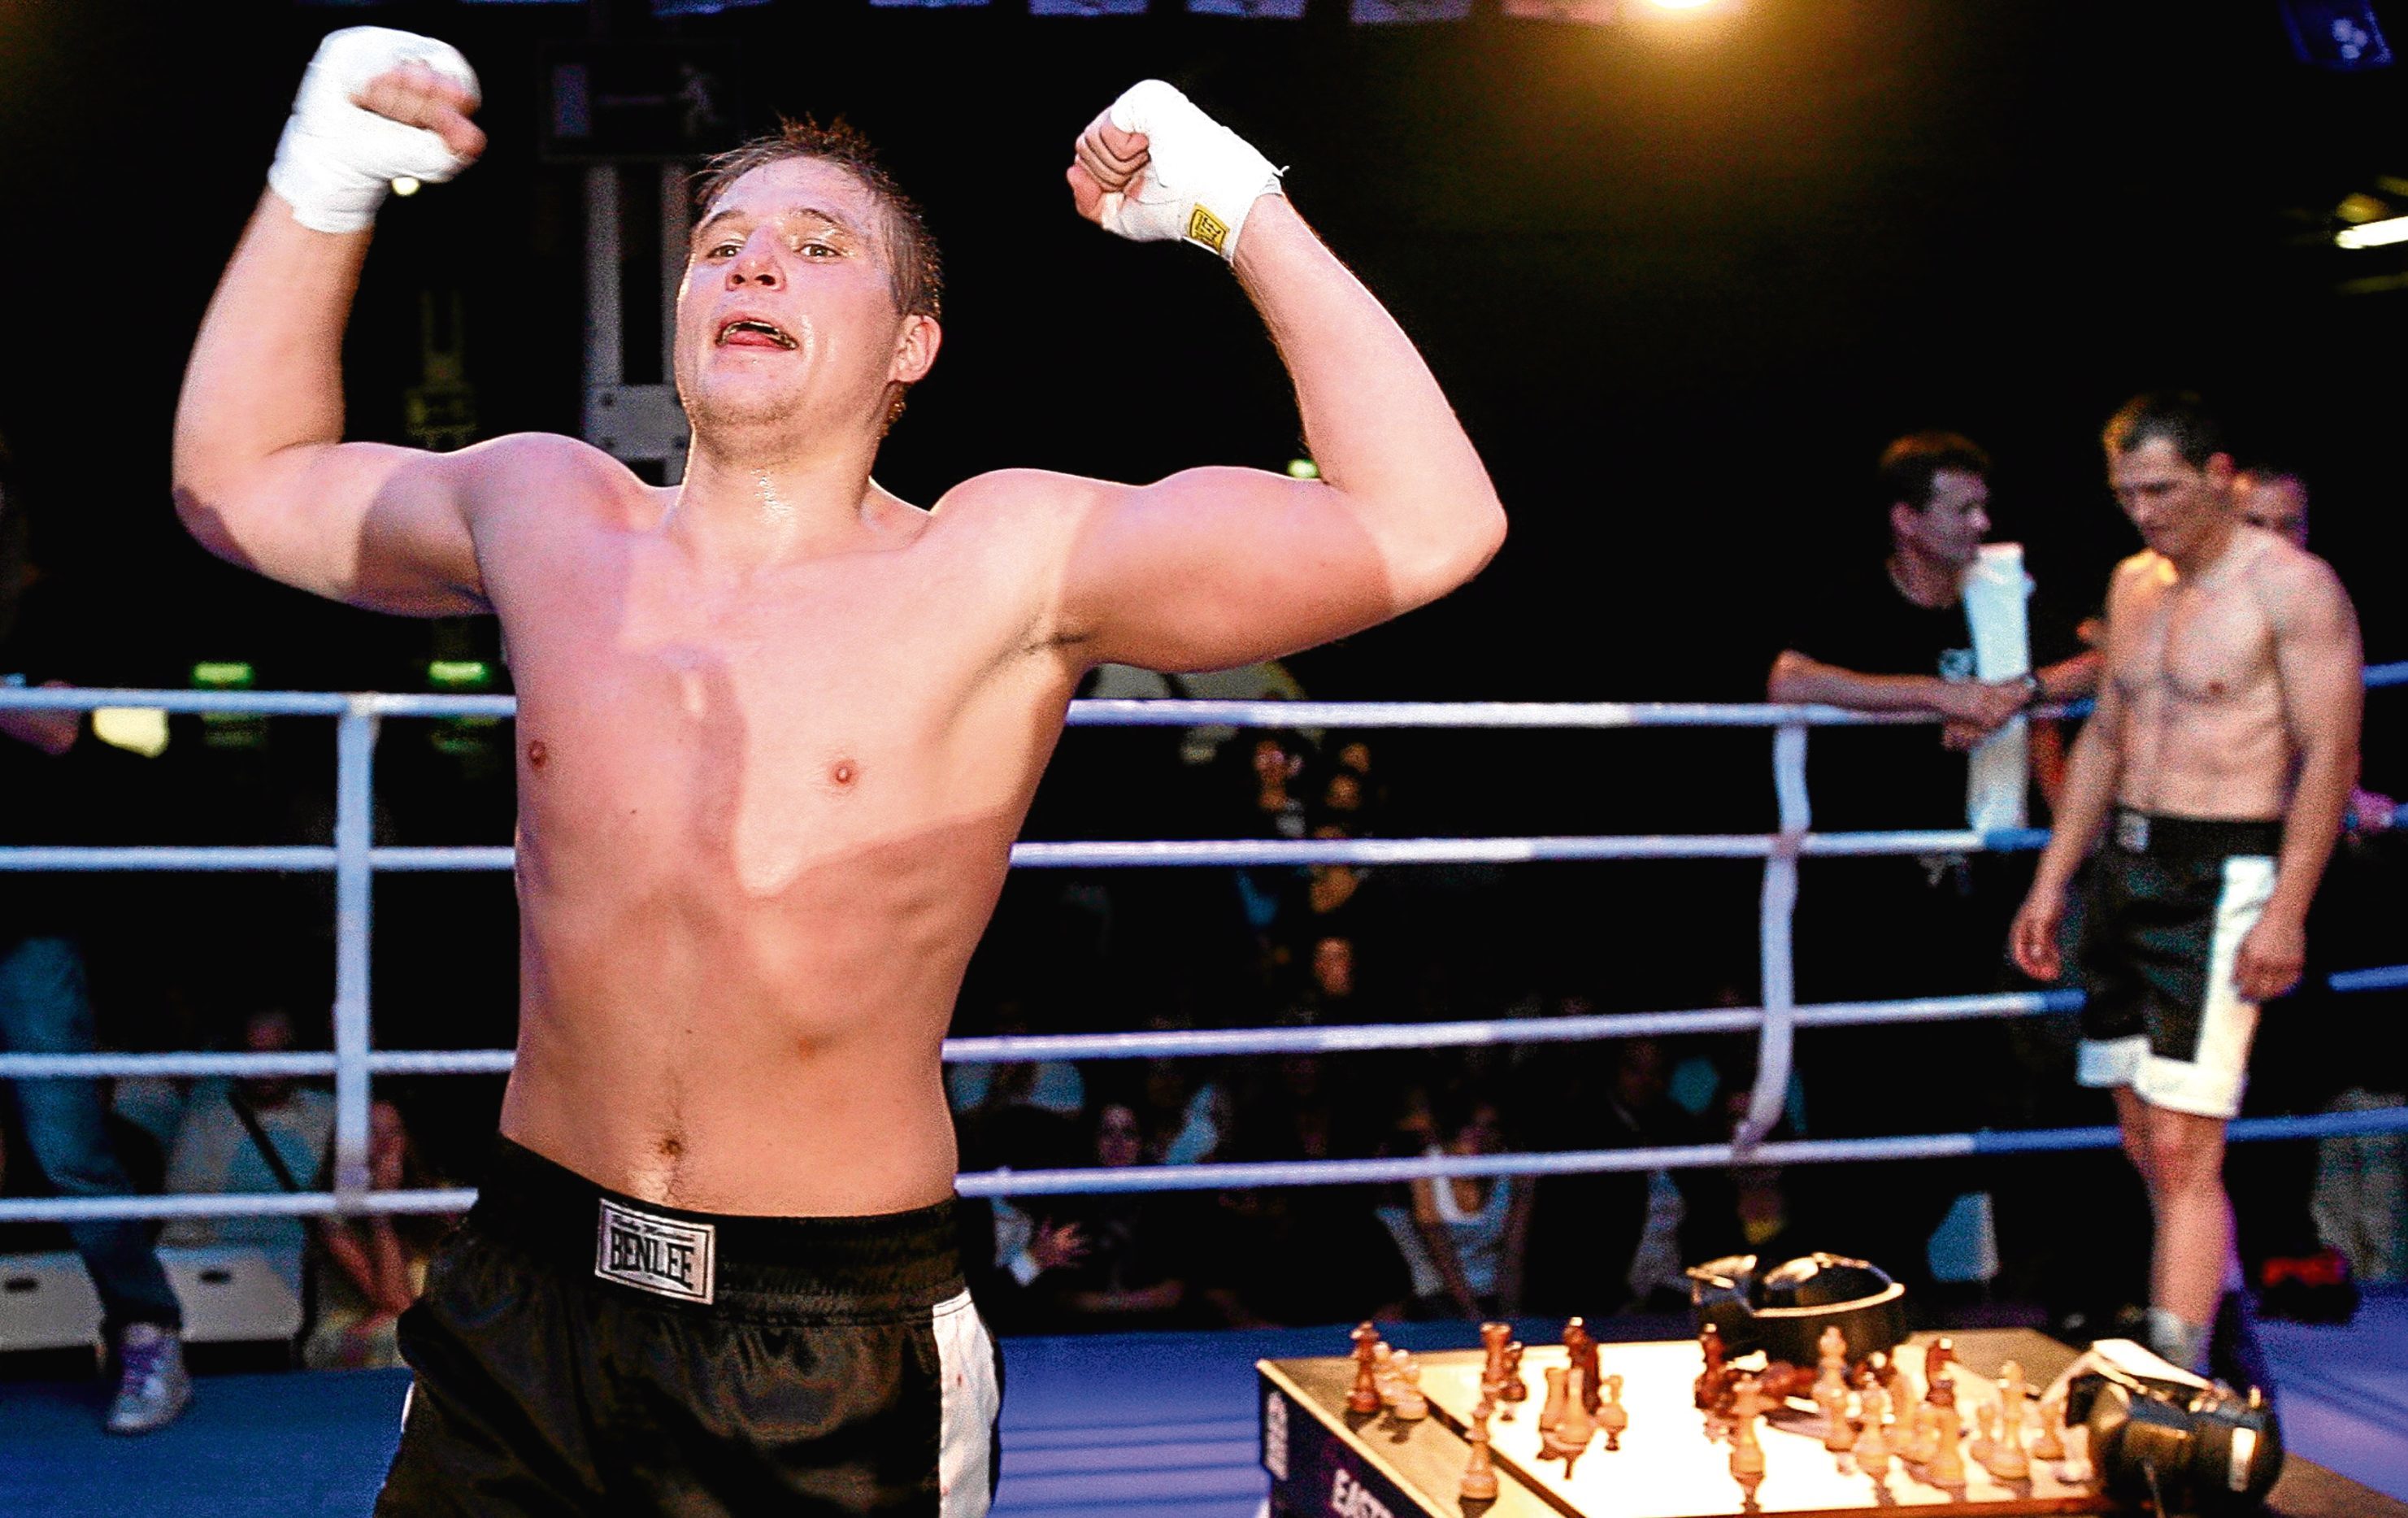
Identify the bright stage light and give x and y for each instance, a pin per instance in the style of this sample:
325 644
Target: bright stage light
1683 5
2373 234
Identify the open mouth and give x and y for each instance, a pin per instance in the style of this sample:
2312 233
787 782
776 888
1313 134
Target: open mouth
751 332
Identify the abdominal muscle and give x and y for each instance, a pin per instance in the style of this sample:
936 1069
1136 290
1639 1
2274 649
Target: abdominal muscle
687 1040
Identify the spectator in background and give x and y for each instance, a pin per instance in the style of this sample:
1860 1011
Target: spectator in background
1894 635
1275 809
1472 1228
2273 498
255 1134
1131 1271
1302 1255
1594 1238
1053 1085
1009 1245
370 1269
45 1007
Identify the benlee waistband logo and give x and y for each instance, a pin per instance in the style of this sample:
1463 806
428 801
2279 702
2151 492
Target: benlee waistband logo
661 1255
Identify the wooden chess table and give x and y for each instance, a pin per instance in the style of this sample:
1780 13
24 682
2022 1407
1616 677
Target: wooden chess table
1673 1461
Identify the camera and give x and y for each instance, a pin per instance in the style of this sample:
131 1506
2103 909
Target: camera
2158 1436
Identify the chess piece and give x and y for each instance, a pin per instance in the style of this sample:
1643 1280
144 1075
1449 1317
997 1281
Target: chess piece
1712 1388
1904 1391
1832 1401
1551 1413
1365 1398
1579 1426
2008 1461
1872 1443
1946 1466
1479 1483
2050 1442
1383 1371
1611 1415
1985 1442
1938 1397
1833 1349
1569 1439
1492 1374
1580 1349
1938 1357
1515 1390
1747 1452
1410 1405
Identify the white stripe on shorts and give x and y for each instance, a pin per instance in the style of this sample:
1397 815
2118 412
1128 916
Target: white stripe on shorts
2210 1082
966 1425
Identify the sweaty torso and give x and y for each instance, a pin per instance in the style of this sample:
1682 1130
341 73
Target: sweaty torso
763 820
2204 730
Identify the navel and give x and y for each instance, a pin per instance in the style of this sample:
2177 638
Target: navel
537 753
672 1147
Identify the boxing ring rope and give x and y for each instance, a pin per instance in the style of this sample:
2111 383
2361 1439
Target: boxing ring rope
353 858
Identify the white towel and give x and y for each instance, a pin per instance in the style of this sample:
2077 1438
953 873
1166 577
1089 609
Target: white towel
1994 590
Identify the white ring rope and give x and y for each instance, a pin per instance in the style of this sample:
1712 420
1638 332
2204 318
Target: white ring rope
354 859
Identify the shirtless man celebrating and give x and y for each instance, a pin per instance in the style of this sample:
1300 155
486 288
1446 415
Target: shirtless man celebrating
777 730
2225 745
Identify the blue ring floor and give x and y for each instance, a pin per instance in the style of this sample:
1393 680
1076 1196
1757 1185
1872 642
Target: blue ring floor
1151 1426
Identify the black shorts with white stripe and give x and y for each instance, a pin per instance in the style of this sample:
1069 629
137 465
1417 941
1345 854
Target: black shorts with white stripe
2171 899
579 1350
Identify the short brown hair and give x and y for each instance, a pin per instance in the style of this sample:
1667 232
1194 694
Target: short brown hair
1909 464
914 271
2179 417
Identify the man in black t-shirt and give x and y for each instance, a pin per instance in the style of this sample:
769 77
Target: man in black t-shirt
1894 634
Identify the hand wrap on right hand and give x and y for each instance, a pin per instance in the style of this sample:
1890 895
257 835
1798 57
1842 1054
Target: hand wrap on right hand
1202 177
336 160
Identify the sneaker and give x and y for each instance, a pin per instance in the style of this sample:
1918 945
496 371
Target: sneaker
151 1386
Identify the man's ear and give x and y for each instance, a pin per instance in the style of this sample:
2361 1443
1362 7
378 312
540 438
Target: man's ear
915 349
2220 471
1902 518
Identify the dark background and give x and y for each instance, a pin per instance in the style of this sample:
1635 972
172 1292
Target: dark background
1683 278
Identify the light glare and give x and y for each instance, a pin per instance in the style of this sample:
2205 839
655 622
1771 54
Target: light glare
2373 234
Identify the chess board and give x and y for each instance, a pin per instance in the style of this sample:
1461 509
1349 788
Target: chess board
1673 1462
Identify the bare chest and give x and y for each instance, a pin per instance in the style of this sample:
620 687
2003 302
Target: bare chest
774 722
2201 645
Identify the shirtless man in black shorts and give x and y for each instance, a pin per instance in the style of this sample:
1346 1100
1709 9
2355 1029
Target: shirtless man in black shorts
2219 762
777 731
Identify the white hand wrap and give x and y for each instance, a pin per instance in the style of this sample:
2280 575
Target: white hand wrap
336 159
1201 182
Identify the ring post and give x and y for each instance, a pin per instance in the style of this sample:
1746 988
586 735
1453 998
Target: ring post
1774 920
355 735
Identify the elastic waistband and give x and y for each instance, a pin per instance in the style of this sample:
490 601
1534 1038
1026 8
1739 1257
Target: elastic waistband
2194 837
829 1268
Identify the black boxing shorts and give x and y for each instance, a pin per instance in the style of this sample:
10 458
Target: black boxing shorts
2171 899
581 1352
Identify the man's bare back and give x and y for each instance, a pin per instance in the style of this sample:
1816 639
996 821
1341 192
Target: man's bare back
777 728
2193 659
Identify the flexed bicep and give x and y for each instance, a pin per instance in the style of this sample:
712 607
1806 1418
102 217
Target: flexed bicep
1220 566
